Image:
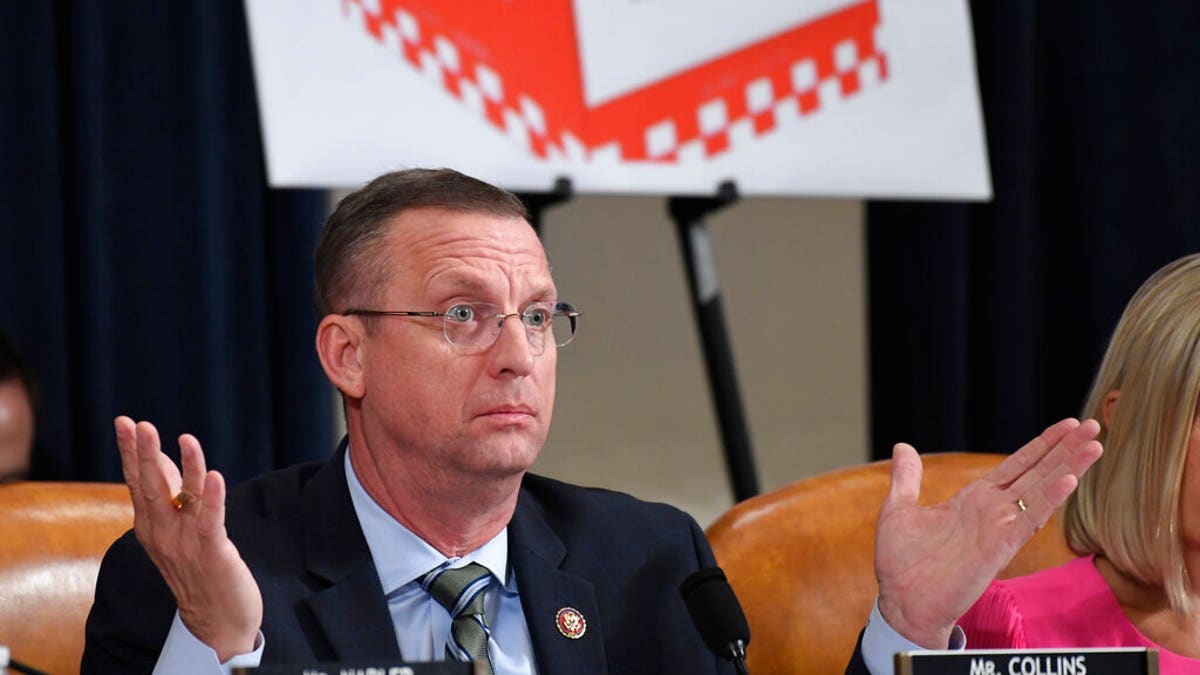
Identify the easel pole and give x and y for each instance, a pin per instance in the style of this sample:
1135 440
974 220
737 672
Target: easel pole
688 214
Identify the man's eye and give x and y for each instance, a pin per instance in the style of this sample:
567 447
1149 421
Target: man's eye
537 316
463 313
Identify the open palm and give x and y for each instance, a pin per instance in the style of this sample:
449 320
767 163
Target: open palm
933 562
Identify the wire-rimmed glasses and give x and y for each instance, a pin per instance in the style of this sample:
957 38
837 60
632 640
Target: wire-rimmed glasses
475 326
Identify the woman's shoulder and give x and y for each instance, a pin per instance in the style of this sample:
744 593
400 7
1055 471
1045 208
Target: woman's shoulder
1077 577
1052 607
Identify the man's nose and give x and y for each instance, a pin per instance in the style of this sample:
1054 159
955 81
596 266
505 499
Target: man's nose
513 351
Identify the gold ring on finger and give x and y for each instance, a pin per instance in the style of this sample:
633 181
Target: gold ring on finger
184 498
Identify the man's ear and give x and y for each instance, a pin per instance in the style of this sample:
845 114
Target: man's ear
1109 405
339 341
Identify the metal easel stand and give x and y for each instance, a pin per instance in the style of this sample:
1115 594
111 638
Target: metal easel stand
537 202
688 214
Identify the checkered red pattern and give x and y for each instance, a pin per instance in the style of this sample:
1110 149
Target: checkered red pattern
531 89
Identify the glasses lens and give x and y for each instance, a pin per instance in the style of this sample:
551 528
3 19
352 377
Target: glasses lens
471 325
564 323
476 325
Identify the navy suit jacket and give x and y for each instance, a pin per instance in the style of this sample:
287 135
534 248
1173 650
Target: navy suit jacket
617 560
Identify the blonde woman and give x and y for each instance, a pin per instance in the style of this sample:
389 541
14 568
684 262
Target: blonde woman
1135 518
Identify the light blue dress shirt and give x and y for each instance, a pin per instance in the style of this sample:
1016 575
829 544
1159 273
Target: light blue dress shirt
881 642
423 625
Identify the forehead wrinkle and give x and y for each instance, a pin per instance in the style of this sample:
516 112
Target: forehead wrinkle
475 279
469 264
470 253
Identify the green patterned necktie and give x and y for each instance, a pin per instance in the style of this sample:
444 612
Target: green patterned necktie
461 592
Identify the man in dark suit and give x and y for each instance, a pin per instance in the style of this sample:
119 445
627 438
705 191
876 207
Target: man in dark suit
440 325
614 560
424 536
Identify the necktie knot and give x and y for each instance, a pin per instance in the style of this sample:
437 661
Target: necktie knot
461 592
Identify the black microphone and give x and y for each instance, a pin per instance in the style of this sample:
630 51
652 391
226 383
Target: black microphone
717 614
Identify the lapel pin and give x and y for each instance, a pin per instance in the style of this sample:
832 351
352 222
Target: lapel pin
570 623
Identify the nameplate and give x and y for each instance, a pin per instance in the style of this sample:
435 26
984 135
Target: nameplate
434 668
1115 661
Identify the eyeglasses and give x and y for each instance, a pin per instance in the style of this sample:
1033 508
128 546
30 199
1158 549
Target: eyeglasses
475 326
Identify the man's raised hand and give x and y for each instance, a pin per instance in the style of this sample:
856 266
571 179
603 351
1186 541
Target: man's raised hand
179 518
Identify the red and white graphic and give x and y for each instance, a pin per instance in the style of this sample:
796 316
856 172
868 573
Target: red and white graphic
840 98
521 66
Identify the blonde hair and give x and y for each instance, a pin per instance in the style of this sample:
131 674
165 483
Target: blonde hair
1127 506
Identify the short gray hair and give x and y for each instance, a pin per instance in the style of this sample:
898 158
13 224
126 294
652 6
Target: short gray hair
349 261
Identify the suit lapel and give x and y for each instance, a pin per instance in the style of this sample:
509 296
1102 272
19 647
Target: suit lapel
537 554
351 610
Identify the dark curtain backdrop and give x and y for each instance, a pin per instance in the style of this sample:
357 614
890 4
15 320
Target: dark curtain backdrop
145 268
988 320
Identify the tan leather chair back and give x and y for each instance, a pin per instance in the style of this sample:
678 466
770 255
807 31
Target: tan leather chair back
801 558
52 537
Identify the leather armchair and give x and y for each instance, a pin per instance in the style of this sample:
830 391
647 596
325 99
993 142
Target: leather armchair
801 558
52 537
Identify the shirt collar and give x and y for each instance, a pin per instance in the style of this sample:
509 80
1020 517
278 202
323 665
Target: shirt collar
402 557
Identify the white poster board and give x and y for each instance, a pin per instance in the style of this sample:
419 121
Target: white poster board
864 98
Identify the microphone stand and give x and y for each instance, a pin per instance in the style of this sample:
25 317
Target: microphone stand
18 667
737 654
